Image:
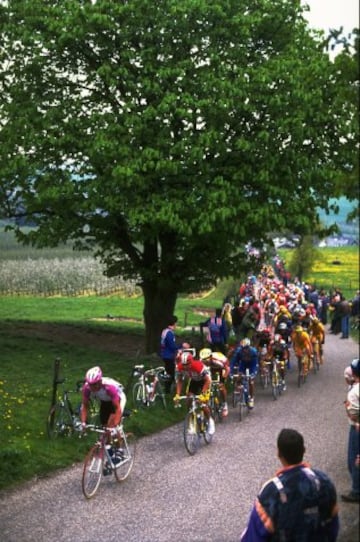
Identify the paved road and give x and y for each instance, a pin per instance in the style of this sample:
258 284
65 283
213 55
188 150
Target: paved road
172 496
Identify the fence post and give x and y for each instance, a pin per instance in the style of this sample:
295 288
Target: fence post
55 380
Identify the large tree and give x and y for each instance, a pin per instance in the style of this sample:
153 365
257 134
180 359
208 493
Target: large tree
168 134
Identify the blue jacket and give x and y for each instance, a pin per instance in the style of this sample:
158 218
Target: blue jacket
168 346
245 358
297 505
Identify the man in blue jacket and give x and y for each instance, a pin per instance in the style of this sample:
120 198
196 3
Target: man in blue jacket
169 350
298 505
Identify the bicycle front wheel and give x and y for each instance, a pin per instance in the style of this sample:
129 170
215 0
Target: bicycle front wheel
275 385
123 469
191 433
139 396
59 422
241 403
160 394
92 472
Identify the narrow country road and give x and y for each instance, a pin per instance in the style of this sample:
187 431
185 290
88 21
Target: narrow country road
171 496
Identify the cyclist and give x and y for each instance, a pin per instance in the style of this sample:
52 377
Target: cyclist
220 370
302 345
278 349
109 392
245 358
317 335
198 375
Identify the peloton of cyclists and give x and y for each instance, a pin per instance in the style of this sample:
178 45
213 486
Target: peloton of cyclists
220 370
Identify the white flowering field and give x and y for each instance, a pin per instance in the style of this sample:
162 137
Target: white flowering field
60 276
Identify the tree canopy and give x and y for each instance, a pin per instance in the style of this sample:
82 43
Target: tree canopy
169 134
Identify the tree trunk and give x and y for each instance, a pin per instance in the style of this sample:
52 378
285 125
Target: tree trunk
159 306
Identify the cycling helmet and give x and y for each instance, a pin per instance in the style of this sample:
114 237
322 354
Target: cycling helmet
315 320
245 342
186 358
94 375
205 354
355 367
282 326
277 338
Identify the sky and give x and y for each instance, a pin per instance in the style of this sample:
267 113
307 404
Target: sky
325 14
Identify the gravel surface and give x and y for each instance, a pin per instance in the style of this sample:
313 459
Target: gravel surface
172 496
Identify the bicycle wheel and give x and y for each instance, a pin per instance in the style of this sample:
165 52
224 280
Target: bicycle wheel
139 396
316 359
275 385
191 433
160 395
59 422
215 406
241 403
92 472
207 437
235 394
128 453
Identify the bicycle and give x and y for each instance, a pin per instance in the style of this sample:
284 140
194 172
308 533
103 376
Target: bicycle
303 368
316 358
264 373
148 389
276 381
216 400
63 419
195 424
108 457
240 393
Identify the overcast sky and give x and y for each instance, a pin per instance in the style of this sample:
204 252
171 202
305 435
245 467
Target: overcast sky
325 14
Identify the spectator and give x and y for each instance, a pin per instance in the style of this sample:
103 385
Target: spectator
299 503
355 310
217 335
169 350
236 317
353 413
323 304
335 326
345 312
226 314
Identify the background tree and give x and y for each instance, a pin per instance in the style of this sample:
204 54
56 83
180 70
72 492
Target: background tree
303 258
165 135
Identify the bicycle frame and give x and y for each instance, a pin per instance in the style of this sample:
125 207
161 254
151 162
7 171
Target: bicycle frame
62 419
148 386
195 423
106 458
216 401
241 389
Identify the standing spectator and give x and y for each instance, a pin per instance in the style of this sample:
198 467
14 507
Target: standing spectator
217 336
169 350
353 413
299 503
323 304
227 317
236 317
335 326
345 312
355 310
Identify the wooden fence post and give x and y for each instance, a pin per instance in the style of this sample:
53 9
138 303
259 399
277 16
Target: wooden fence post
55 380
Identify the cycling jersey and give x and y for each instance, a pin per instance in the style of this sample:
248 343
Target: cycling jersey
195 370
110 390
245 358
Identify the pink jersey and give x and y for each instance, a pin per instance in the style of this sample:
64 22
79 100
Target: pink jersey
110 391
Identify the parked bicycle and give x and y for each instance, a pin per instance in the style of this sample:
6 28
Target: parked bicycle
109 455
148 390
195 424
64 419
240 393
